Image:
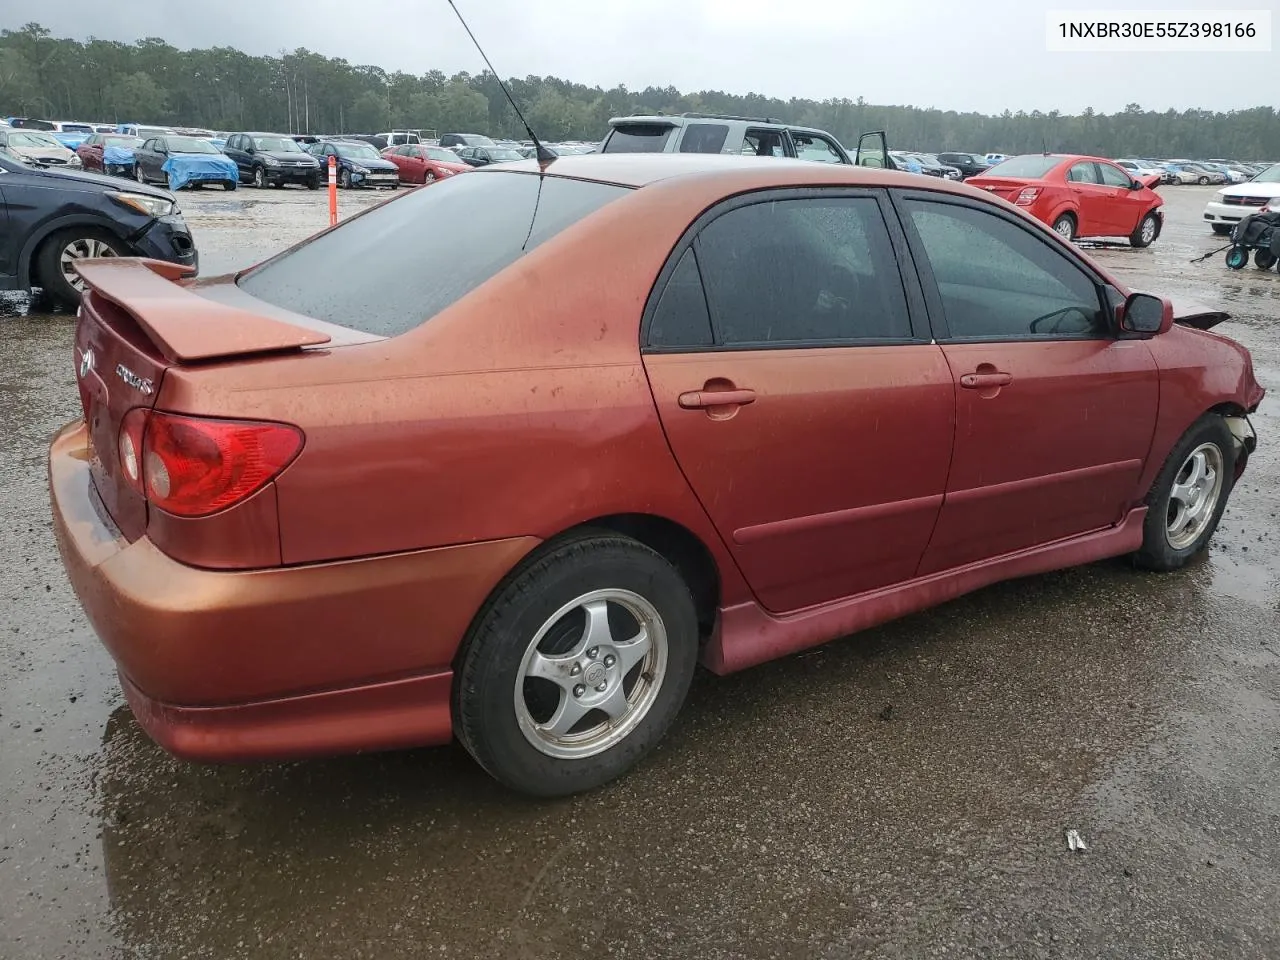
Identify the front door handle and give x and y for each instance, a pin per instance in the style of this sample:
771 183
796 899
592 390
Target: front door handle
983 381
702 399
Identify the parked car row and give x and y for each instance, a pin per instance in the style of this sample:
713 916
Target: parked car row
1233 203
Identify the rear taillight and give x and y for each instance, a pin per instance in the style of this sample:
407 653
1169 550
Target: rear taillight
192 466
1027 197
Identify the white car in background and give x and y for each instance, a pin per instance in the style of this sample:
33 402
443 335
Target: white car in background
1233 203
1140 169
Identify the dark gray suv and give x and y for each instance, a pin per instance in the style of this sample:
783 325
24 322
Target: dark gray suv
750 136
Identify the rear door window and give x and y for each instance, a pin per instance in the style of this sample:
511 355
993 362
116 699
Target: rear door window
382 273
704 137
639 138
803 271
1084 173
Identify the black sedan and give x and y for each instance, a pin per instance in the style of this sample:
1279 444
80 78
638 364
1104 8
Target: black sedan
54 218
483 156
358 163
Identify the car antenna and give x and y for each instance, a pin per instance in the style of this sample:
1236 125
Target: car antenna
544 155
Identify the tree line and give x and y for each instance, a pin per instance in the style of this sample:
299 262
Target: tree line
222 88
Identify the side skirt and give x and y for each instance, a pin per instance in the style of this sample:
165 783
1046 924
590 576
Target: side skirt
745 635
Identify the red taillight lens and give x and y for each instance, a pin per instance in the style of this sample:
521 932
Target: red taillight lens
191 467
1027 197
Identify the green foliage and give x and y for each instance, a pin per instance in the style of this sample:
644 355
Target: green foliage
221 88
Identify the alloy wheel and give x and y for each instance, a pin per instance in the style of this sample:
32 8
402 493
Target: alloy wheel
83 249
591 673
1197 486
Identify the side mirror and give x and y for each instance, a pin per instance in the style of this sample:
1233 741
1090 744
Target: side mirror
1136 184
1144 315
250 150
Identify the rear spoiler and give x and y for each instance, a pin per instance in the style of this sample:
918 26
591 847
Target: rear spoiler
185 326
1198 316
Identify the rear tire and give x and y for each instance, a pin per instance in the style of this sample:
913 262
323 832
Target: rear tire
52 266
580 611
1145 232
1188 496
229 184
1264 259
1065 227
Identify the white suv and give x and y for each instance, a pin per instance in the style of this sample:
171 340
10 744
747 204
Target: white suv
1233 203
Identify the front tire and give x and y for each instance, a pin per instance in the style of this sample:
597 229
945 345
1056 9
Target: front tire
54 268
1188 496
260 178
229 184
1145 232
576 666
344 179
138 174
1203 181
1065 227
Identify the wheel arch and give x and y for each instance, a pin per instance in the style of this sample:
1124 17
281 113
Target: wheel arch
675 542
31 249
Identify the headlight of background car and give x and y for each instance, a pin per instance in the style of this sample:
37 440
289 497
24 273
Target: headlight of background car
271 161
359 169
74 161
151 206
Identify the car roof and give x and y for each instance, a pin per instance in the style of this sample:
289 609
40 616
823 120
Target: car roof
641 169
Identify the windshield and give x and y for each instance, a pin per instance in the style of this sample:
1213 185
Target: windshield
1269 175
121 140
356 151
380 272
147 133
277 144
499 154
1028 167
190 145
443 154
32 140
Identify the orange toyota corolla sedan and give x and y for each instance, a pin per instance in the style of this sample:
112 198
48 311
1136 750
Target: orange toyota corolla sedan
512 480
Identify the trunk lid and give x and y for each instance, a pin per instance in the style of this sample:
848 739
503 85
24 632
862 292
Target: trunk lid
137 321
1005 187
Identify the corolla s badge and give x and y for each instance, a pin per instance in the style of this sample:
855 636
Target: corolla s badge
133 380
86 362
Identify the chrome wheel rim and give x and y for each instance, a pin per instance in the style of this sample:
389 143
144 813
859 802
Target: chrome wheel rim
259 178
1148 230
138 174
1063 227
1196 488
77 250
591 674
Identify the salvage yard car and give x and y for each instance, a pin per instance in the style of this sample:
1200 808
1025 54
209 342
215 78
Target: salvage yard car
420 163
110 153
38 149
358 164
1079 196
272 160
511 480
184 161
53 219
1232 204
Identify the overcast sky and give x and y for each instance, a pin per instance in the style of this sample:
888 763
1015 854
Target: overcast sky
985 55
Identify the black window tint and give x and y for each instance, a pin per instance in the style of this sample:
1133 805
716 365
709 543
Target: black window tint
381 273
704 137
680 318
999 281
1029 167
639 138
803 270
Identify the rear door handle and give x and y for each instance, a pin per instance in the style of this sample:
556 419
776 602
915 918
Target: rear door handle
701 399
979 381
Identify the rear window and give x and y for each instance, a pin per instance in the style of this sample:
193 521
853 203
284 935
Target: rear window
388 270
1031 167
639 138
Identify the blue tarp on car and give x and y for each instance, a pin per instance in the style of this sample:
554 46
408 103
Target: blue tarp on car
186 167
119 156
70 140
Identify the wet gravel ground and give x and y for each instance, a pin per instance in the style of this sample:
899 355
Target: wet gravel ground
903 793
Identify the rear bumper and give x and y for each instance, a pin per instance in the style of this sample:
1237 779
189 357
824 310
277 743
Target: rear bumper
283 662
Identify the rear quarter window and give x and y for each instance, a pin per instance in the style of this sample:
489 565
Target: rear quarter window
388 270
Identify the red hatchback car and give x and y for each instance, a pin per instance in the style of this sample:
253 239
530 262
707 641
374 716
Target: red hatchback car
1079 196
513 480
422 163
